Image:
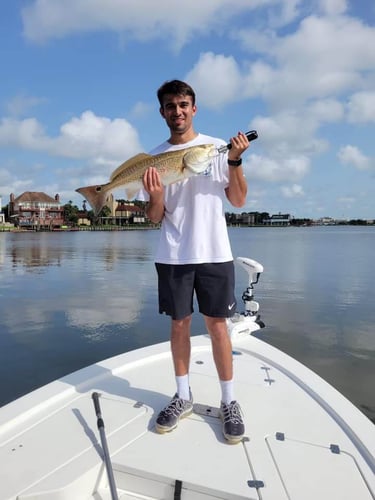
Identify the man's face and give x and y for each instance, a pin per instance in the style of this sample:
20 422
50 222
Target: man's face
178 112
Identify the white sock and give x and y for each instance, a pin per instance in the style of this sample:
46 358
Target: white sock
183 389
227 392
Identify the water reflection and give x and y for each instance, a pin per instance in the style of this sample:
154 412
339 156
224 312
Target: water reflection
70 299
88 285
31 255
33 250
315 296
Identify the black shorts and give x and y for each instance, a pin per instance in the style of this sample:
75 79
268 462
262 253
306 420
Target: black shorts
213 285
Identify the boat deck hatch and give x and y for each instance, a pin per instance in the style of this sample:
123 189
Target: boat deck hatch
311 471
206 410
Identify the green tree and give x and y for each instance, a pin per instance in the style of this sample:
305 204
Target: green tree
71 213
96 219
6 212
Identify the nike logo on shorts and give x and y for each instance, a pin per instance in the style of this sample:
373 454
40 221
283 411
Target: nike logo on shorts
231 306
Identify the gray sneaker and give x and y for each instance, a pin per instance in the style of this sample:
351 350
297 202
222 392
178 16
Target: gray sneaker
169 417
233 426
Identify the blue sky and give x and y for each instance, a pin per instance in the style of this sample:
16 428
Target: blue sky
79 81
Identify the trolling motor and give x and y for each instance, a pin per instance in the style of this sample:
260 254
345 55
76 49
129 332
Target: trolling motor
254 270
247 321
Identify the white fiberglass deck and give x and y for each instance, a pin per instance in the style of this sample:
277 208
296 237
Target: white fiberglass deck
304 441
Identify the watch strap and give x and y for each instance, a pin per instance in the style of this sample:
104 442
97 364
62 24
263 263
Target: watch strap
235 163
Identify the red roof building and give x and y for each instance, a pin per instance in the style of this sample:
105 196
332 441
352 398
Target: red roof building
38 211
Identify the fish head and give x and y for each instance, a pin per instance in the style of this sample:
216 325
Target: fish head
198 159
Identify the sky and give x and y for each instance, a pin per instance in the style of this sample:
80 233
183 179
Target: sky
79 80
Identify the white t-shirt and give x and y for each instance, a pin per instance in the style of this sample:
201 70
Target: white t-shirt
194 230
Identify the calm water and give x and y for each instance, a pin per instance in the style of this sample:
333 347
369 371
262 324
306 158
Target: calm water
70 299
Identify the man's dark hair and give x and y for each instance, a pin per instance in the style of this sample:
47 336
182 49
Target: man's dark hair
175 87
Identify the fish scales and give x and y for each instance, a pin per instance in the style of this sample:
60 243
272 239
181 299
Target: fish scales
173 166
133 171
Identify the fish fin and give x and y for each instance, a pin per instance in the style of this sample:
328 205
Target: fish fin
127 163
95 195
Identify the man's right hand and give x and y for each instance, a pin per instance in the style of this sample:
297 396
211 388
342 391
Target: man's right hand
154 187
152 182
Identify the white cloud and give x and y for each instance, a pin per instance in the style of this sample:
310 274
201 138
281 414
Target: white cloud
272 170
143 21
212 68
326 111
13 185
288 12
361 107
332 7
289 134
330 49
5 177
21 104
27 134
293 191
351 155
141 109
94 136
325 56
258 79
348 200
322 60
86 137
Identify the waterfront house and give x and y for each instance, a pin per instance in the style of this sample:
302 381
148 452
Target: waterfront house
129 213
36 210
278 220
83 219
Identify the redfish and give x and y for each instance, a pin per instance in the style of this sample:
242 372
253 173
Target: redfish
173 166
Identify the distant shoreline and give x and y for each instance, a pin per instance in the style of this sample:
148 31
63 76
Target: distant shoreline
8 229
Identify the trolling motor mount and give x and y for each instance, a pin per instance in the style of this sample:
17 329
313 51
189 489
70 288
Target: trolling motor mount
246 322
254 270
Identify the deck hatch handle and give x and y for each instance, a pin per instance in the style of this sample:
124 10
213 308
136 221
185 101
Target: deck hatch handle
280 436
335 448
255 483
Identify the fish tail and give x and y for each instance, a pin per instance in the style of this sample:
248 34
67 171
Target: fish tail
95 195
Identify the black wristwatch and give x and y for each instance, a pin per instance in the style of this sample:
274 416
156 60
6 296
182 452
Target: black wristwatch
235 163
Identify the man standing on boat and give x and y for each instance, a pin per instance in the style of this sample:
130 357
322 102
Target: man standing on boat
194 253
